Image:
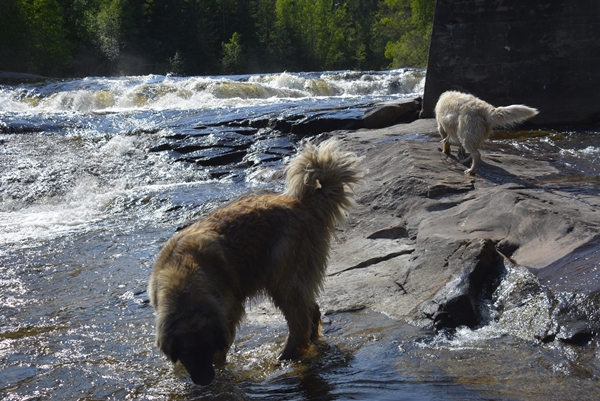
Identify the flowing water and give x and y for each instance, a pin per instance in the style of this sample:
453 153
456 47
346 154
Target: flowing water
89 192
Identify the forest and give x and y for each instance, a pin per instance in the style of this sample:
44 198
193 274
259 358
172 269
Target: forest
70 38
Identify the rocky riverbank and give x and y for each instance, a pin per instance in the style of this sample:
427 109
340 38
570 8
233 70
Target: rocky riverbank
432 246
517 245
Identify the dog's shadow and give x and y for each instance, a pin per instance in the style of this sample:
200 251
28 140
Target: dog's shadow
490 169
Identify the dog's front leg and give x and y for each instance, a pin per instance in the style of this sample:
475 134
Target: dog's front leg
317 325
220 358
305 328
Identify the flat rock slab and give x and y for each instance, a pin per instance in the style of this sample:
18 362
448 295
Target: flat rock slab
420 220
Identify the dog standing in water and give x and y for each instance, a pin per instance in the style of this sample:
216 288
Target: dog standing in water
466 120
274 244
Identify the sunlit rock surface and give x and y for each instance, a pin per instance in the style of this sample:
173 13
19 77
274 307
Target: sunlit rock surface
432 246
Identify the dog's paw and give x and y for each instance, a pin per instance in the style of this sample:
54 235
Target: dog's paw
469 172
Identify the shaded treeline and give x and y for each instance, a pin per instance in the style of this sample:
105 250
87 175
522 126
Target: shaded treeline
203 37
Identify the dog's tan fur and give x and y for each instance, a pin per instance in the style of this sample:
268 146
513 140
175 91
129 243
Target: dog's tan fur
467 121
271 244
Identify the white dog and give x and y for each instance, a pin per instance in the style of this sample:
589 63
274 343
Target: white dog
467 121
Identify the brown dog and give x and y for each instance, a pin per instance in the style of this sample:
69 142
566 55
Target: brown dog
271 244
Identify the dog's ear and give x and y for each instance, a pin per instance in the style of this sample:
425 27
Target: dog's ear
167 339
174 350
170 347
220 341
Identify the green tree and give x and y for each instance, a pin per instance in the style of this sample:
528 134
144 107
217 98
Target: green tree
232 55
107 27
261 36
35 37
310 34
176 65
198 37
365 46
407 24
11 35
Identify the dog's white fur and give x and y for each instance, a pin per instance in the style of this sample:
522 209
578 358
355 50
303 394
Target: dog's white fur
466 120
274 244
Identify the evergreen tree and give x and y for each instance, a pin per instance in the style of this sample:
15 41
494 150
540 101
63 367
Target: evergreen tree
200 37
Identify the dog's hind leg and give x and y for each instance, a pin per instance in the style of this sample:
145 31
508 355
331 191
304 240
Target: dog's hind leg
476 157
465 157
472 132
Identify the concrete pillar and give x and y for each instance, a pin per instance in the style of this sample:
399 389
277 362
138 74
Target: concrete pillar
545 54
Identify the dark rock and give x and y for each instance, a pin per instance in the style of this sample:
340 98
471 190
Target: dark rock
393 112
578 316
314 124
478 266
215 156
265 140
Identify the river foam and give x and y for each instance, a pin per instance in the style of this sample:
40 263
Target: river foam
169 92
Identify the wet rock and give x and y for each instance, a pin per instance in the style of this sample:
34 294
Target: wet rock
215 156
393 112
522 306
575 270
317 123
9 77
478 266
498 247
265 140
577 315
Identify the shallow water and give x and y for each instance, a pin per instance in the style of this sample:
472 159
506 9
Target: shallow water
576 153
85 206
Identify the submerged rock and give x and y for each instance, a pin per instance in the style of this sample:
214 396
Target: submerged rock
439 249
268 139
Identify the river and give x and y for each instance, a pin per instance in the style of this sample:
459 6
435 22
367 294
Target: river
91 186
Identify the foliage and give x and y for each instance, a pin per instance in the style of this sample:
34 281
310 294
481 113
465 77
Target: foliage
409 22
35 36
176 65
198 37
232 54
108 28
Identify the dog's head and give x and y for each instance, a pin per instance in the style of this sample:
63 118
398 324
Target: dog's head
193 340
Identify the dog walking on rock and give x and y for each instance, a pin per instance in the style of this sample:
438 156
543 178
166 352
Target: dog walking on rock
468 121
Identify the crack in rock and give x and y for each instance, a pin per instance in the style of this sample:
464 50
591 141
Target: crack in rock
401 287
374 261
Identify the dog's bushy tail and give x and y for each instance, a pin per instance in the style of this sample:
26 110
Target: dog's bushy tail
326 172
511 115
